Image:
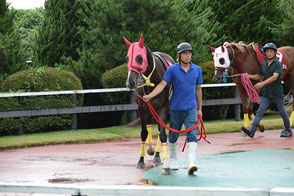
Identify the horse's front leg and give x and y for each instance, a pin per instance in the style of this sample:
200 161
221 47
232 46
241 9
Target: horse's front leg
144 133
244 100
292 113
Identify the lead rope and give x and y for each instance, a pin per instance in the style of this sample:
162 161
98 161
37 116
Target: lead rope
250 90
200 121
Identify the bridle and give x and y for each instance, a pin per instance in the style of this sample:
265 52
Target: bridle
226 70
146 79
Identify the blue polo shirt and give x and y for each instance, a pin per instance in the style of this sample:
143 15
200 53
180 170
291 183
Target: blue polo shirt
184 86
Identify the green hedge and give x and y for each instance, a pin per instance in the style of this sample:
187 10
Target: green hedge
116 78
37 80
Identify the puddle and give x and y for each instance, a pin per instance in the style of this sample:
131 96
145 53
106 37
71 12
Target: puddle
67 180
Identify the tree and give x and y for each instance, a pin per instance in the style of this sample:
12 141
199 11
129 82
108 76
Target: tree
11 54
285 29
28 22
58 36
164 23
243 20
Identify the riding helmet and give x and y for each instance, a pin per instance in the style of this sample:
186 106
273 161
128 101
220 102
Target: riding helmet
269 46
184 47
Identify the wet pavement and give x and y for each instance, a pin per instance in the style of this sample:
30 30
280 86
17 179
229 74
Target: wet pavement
114 163
266 168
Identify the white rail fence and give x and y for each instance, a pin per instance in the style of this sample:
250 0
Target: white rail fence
133 107
133 190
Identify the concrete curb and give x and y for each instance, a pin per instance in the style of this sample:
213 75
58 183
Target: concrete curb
140 190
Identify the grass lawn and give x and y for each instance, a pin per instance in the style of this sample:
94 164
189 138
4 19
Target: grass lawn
270 121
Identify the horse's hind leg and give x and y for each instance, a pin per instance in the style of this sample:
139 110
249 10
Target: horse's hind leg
292 113
289 81
150 150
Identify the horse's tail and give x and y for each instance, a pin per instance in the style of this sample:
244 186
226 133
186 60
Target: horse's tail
134 123
288 99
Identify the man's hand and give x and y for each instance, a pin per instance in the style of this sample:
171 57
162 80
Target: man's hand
200 113
146 98
258 86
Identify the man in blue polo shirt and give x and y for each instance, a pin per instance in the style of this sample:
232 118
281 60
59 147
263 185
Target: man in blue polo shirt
186 103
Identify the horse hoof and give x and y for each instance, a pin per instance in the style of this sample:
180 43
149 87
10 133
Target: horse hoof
261 128
242 134
140 165
166 171
156 160
150 151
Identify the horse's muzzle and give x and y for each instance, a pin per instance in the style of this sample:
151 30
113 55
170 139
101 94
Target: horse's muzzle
131 84
218 79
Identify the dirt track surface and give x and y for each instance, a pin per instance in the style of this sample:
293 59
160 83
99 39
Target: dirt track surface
112 163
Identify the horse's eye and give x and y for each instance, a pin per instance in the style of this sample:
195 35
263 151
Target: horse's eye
221 61
127 59
139 59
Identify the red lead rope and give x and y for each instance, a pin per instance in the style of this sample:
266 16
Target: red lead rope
201 132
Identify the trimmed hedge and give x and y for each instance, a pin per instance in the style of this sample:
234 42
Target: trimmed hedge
38 80
116 78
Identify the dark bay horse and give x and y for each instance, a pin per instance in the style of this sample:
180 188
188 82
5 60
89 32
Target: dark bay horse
243 59
145 71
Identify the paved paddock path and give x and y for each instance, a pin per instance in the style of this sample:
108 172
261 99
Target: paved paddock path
112 163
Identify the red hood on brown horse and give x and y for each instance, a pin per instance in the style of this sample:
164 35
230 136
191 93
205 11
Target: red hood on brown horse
146 70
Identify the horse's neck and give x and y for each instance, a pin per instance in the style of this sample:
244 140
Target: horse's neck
248 64
150 59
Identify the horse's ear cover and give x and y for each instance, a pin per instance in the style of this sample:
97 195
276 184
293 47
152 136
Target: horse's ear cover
127 42
211 48
223 49
134 50
141 42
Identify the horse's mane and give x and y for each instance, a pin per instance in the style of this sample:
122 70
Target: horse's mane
242 46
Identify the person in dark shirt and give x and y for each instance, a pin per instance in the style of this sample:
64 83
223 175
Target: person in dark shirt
271 82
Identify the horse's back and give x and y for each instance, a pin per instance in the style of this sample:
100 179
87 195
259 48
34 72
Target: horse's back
165 56
288 51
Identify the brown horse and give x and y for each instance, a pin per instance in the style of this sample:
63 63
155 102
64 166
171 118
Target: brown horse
243 59
145 71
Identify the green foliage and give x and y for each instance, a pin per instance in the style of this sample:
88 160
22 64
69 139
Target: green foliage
242 20
36 80
11 53
285 28
164 24
27 23
207 69
116 77
58 36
